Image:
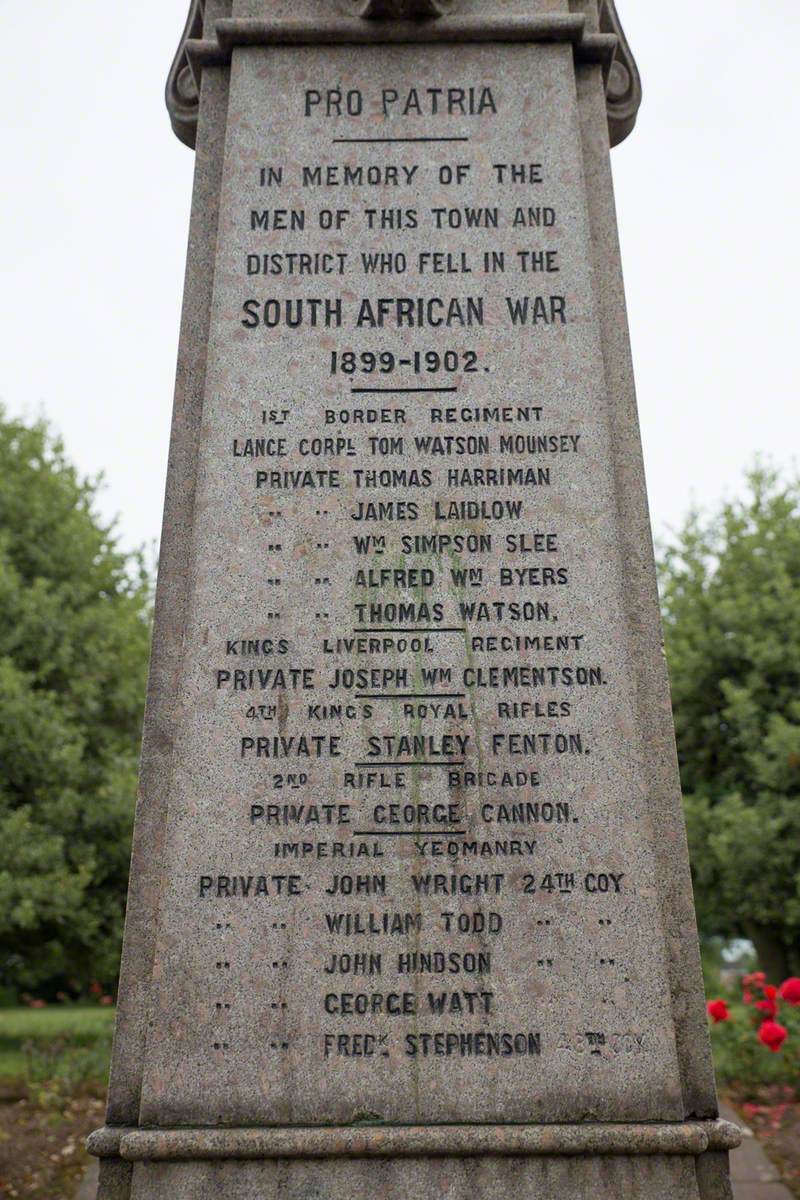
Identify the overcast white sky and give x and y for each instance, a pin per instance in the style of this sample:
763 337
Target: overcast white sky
94 212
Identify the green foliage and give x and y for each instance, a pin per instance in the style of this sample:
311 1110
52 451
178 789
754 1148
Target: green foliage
64 1067
74 637
712 962
55 1051
85 1022
730 589
740 1058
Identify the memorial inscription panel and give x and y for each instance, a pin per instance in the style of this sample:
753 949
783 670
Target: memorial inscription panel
409 869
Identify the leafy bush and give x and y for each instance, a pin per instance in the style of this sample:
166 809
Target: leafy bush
74 640
741 1021
730 591
61 1067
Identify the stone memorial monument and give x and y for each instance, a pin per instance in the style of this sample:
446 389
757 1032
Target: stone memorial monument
410 910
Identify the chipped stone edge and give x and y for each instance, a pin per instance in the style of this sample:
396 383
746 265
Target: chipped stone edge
690 1138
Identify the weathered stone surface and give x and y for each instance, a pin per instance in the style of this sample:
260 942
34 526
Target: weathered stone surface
410 847
413 1141
298 25
440 1179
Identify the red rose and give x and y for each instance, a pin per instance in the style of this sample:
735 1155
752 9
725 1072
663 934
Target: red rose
768 1007
718 1011
790 991
770 991
772 1035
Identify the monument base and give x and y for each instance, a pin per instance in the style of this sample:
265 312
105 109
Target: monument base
680 1161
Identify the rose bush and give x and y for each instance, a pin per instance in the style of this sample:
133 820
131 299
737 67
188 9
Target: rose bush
756 1036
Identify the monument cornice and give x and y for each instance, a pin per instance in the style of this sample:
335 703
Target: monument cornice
688 1138
374 22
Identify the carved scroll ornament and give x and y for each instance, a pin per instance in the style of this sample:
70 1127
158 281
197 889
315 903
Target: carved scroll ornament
623 86
182 94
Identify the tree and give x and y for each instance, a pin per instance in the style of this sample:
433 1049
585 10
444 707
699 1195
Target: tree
74 638
730 589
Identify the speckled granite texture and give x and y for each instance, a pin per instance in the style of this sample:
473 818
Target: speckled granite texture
409 847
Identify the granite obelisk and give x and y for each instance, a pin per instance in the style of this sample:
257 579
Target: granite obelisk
410 908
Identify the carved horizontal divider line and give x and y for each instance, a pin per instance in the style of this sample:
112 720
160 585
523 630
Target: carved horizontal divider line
688 1138
233 32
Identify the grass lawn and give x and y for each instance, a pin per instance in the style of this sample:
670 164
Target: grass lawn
80 1024
53 1072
